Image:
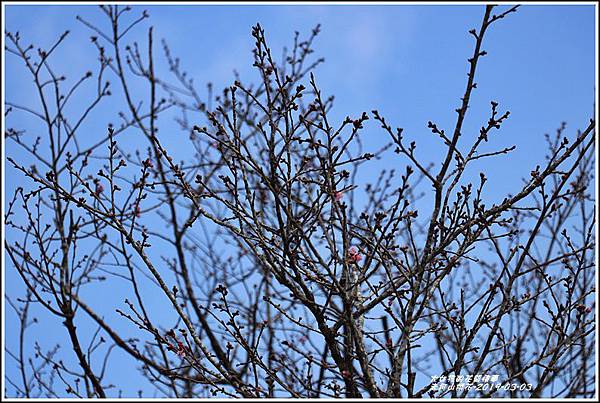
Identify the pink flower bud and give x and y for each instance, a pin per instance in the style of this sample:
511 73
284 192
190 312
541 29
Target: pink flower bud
138 211
338 195
99 188
180 349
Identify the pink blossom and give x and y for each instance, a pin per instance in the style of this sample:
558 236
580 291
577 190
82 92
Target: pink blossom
353 255
338 196
138 211
99 188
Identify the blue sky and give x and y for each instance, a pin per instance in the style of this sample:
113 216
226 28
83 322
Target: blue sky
409 62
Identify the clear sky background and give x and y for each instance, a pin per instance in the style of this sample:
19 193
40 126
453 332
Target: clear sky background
409 62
